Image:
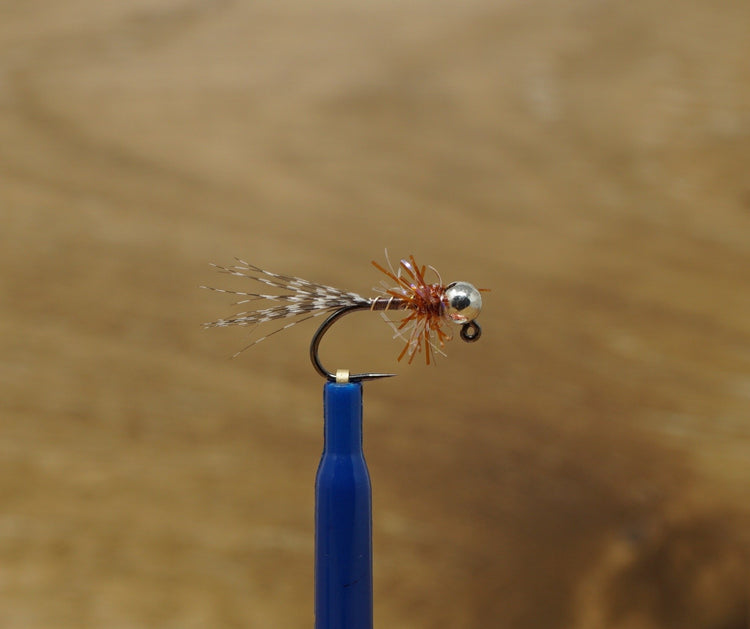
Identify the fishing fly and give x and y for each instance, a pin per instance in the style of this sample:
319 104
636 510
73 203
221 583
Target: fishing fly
430 309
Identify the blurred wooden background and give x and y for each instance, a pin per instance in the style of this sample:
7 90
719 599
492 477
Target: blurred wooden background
586 465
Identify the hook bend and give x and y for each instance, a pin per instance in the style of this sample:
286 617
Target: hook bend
341 376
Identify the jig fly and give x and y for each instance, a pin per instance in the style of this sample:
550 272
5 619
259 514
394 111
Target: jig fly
430 309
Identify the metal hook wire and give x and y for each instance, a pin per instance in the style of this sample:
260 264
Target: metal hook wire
470 332
342 375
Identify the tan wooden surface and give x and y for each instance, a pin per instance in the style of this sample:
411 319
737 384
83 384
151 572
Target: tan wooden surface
586 465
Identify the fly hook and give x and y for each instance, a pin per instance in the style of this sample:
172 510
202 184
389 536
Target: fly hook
341 375
470 332
429 308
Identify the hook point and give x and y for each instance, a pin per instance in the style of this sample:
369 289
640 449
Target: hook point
341 375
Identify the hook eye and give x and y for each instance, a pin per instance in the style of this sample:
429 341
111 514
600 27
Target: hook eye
470 331
341 375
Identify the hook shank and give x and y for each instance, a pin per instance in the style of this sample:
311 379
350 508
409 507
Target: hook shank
470 332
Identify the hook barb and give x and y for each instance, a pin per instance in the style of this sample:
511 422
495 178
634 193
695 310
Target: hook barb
315 344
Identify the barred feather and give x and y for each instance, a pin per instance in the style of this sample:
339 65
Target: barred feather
425 326
303 297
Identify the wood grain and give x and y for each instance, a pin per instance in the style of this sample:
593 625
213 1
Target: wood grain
586 465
